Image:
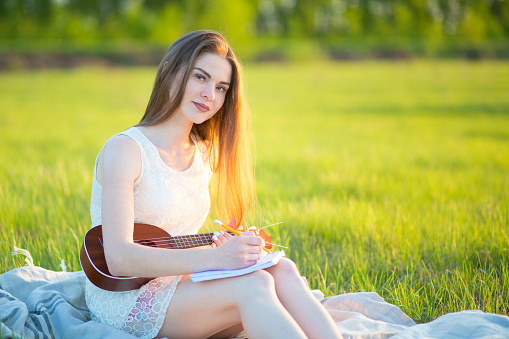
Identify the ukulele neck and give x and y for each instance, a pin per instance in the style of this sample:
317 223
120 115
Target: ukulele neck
191 240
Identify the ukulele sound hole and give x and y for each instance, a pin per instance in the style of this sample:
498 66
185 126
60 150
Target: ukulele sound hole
146 243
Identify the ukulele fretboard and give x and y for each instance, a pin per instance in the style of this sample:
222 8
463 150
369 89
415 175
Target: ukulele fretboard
191 240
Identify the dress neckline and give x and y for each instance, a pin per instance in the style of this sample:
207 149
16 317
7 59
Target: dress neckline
154 148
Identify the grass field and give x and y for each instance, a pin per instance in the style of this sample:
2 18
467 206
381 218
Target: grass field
389 177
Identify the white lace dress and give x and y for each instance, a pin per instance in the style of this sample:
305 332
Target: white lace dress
178 202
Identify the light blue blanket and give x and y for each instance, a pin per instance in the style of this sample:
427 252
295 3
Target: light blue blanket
37 303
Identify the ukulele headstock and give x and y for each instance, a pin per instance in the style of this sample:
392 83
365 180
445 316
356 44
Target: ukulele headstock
266 237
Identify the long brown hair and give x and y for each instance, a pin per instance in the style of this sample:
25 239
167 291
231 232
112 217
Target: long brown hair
227 134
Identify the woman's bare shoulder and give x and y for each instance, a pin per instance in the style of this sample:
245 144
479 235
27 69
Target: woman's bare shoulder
120 157
121 143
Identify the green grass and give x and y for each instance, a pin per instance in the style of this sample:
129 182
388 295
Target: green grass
389 177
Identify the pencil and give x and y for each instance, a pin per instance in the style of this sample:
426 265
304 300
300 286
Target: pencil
233 231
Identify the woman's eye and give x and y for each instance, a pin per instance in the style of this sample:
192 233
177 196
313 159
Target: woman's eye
221 89
199 77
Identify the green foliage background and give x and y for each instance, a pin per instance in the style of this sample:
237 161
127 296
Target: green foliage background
266 28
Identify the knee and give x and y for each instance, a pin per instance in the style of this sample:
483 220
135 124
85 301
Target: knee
260 280
286 267
256 283
286 273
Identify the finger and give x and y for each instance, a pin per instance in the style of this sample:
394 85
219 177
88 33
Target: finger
218 238
221 236
255 250
255 257
250 260
215 240
253 240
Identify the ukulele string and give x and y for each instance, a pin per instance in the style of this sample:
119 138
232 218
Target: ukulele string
270 225
179 239
275 244
174 239
263 226
271 243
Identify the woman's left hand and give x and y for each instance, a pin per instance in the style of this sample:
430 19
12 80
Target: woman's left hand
220 238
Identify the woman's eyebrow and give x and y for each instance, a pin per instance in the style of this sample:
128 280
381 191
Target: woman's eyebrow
208 75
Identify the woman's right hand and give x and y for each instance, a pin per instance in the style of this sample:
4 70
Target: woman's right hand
238 251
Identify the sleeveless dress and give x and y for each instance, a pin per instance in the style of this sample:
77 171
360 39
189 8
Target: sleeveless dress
176 201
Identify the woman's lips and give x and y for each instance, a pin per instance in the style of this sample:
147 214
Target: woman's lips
201 107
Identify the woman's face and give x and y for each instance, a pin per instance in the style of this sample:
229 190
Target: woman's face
206 88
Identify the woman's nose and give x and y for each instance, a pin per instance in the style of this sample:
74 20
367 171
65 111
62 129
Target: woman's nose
208 92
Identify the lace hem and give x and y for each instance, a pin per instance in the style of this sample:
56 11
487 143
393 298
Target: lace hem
139 312
150 308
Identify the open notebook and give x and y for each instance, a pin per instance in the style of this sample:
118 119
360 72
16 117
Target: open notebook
266 261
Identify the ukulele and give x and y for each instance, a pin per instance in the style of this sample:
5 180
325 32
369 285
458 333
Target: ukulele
94 264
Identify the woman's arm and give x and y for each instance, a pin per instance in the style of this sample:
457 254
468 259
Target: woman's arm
119 166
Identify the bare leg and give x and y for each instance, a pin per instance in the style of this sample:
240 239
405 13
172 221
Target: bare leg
200 310
300 303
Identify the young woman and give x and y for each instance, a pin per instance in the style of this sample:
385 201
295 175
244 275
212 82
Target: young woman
158 172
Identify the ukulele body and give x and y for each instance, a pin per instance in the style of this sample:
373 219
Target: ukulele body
94 264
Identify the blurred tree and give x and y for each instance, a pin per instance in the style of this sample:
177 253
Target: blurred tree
432 23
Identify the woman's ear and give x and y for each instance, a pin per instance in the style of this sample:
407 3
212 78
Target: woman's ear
166 63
